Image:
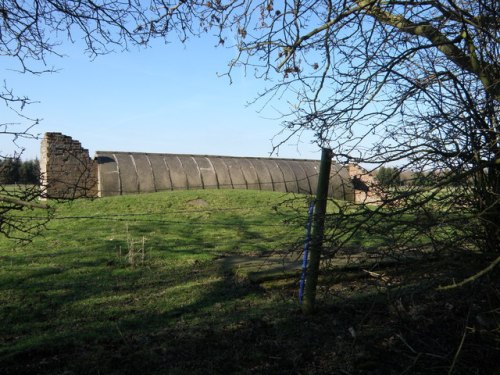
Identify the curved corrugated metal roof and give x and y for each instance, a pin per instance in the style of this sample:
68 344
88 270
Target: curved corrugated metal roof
131 172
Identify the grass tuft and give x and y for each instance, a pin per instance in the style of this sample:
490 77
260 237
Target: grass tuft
154 284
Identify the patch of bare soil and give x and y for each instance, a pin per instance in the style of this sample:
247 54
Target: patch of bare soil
198 203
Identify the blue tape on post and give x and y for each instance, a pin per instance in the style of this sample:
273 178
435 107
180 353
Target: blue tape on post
306 251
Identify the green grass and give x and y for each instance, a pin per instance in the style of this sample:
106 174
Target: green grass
74 292
76 301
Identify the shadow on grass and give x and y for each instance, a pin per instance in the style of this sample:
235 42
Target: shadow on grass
89 313
88 316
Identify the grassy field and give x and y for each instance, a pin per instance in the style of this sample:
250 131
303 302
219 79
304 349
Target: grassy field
144 284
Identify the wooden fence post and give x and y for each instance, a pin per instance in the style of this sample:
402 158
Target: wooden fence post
317 231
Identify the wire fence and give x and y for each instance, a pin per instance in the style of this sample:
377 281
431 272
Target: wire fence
256 227
128 219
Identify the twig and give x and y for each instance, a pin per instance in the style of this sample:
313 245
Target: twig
473 277
376 275
121 334
455 358
399 336
23 203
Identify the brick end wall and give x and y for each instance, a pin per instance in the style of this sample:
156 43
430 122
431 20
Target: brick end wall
67 171
366 187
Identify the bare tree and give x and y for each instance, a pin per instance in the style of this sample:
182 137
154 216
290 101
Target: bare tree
413 83
32 31
410 82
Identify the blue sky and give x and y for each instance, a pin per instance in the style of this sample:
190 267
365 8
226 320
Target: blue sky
167 98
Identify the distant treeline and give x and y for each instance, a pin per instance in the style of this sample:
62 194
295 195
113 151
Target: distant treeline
16 171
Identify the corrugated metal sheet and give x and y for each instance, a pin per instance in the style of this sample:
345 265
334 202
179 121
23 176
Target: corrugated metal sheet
132 173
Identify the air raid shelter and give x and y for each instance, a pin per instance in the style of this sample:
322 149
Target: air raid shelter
69 172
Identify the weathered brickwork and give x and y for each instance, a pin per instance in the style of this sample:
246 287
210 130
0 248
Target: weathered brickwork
66 168
366 187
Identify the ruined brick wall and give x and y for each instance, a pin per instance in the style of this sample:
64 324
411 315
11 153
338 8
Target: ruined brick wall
366 187
66 168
